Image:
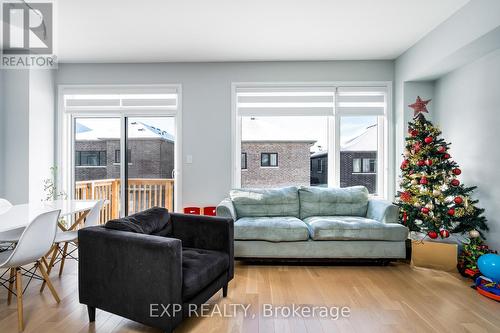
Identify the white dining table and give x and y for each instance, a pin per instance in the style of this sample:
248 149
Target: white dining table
19 216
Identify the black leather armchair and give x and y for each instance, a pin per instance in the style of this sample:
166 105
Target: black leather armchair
137 275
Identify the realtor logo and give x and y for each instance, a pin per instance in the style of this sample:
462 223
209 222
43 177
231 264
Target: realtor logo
27 35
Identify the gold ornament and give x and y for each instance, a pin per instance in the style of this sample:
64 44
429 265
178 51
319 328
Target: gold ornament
436 193
414 182
430 206
474 234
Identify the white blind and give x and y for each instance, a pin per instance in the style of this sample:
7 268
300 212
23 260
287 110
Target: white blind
296 100
361 100
120 98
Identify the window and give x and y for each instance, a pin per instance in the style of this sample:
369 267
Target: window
369 165
90 158
364 165
243 161
269 159
326 135
320 165
118 157
356 165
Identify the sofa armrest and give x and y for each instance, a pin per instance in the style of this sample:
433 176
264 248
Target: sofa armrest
383 211
124 273
205 232
226 209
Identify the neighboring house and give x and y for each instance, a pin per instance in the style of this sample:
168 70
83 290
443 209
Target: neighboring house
150 155
275 163
358 162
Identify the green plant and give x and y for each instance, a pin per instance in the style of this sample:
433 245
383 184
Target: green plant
50 187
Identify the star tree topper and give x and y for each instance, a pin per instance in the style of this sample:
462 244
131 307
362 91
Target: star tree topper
419 106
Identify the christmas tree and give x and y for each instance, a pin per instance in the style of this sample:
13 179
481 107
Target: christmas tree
432 200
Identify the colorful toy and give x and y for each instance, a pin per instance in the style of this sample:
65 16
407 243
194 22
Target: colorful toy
489 265
488 288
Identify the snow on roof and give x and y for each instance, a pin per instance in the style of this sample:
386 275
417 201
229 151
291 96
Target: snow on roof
366 141
105 130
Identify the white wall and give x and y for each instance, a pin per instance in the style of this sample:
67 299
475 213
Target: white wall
206 102
41 130
2 139
467 104
27 130
472 32
16 135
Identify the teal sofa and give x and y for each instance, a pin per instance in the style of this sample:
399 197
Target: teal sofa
314 223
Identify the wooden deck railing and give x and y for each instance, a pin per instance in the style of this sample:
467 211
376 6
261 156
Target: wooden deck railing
143 193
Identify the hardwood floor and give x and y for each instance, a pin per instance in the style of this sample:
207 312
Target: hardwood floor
396 298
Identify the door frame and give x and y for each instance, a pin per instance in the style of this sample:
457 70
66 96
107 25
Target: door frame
65 136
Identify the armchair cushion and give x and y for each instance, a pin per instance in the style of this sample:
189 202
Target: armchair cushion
155 220
200 268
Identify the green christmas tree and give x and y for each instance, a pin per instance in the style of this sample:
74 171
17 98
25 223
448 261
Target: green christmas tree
432 200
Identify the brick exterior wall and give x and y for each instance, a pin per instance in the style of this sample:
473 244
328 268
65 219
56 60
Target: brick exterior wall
150 158
347 176
293 164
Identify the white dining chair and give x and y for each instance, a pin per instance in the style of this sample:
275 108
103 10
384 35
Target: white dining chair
9 238
65 238
33 244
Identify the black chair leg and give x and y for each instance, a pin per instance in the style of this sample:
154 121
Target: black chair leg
224 290
91 311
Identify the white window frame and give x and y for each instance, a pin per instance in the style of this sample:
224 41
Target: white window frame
65 131
386 144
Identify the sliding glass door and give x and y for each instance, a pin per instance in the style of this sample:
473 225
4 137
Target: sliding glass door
96 174
119 144
150 162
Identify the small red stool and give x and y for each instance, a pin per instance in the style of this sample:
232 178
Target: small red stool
210 211
192 210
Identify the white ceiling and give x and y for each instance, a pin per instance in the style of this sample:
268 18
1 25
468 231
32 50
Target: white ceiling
243 30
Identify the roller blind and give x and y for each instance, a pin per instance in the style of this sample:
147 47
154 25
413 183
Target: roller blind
361 100
120 98
311 100
297 100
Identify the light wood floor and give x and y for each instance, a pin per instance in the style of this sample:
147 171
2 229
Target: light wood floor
396 298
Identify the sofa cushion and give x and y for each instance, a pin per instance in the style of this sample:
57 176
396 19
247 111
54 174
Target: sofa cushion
273 229
322 201
354 228
266 202
200 268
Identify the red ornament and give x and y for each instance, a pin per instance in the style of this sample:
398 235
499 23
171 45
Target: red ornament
451 212
424 210
417 146
423 180
421 163
458 200
455 182
432 234
456 171
413 133
428 162
404 165
446 156
405 217
428 139
405 196
442 149
444 233
419 106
